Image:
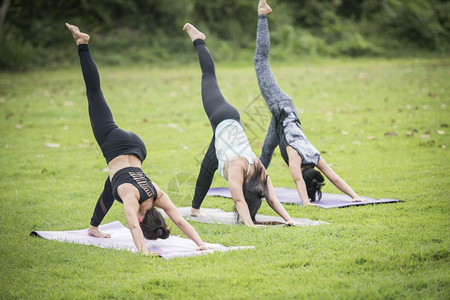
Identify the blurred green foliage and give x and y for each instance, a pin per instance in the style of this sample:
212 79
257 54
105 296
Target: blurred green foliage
149 31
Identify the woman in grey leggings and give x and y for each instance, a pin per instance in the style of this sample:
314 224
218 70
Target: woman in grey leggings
285 130
229 151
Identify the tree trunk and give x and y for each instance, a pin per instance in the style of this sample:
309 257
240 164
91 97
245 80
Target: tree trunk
3 11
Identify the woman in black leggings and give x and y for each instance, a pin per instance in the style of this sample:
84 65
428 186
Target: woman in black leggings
229 151
124 152
285 130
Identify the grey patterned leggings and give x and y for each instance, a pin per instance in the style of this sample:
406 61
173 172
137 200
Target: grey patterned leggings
275 98
267 84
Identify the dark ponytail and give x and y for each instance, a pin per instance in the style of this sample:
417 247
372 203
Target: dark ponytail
154 226
314 181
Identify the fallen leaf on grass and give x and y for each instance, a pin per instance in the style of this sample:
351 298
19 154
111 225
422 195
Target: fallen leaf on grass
19 126
390 133
51 145
68 103
441 131
425 136
371 137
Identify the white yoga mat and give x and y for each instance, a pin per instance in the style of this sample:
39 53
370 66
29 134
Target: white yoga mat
218 216
174 246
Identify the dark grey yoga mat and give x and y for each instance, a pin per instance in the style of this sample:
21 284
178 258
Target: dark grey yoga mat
290 196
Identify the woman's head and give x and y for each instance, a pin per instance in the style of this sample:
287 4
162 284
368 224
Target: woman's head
314 182
255 188
154 226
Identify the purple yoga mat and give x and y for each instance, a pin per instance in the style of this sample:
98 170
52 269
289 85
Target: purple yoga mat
121 239
290 196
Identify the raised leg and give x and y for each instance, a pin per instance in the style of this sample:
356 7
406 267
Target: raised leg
216 107
266 80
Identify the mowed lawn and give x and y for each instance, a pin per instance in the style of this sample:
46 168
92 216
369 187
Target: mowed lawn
381 124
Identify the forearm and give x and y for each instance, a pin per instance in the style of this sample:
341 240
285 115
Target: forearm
345 188
244 213
138 239
279 209
301 189
131 208
190 232
336 179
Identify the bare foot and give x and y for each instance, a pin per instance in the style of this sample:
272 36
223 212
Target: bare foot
193 32
78 36
263 8
93 231
195 212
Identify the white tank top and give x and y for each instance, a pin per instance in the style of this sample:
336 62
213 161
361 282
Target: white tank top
231 141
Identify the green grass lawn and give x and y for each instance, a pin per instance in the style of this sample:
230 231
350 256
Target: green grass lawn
382 125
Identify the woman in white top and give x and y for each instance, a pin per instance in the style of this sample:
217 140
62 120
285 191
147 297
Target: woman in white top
229 151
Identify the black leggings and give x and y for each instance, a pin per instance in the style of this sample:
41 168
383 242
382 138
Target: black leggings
102 120
217 109
112 140
102 123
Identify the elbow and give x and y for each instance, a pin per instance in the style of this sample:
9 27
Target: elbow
298 179
239 204
133 227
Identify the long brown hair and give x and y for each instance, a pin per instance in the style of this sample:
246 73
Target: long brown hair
255 189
